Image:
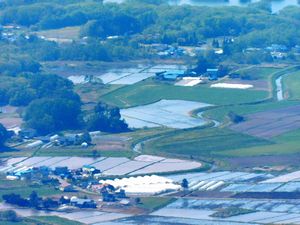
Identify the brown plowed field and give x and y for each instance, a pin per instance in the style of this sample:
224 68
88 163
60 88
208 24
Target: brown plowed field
271 123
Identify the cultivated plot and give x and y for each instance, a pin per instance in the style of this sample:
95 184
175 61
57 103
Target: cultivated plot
110 163
284 178
271 123
125 76
85 217
261 211
164 220
172 113
127 167
75 162
117 166
164 166
228 176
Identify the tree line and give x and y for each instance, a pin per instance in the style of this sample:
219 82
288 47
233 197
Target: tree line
50 104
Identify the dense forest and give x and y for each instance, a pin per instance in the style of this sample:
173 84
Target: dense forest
144 22
50 101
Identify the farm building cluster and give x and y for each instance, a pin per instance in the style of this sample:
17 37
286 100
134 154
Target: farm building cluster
181 74
240 195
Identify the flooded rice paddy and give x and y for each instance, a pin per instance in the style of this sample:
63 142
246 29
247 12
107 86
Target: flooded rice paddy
172 113
116 166
121 76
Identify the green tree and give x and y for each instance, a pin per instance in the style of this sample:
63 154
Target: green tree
34 200
9 215
4 135
185 183
106 118
48 115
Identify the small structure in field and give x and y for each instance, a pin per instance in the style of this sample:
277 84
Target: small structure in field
171 75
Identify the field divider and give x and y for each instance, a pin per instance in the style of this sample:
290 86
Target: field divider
153 163
117 164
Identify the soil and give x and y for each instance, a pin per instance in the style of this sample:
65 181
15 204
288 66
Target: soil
270 123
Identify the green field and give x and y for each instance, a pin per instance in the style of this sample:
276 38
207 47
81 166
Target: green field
64 33
155 203
259 73
284 144
80 152
291 84
25 191
147 92
18 223
42 220
217 145
53 220
24 188
201 142
220 113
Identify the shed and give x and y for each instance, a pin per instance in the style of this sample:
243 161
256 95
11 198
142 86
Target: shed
27 133
83 203
171 74
212 73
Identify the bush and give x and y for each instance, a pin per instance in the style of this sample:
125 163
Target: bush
9 215
235 118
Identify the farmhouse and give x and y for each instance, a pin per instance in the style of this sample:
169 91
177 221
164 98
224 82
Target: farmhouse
212 73
65 187
83 203
61 171
27 133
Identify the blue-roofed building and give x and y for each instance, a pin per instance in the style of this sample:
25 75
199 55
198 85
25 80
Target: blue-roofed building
212 73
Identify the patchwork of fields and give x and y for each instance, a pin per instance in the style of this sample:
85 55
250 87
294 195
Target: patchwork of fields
85 217
114 166
202 142
148 92
264 211
122 76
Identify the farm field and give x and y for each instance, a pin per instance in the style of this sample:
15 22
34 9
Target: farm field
220 113
172 113
227 148
225 176
260 211
24 189
167 220
10 118
116 166
71 33
286 144
80 217
147 92
201 142
291 84
271 123
71 151
154 203
259 72
113 74
55 220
